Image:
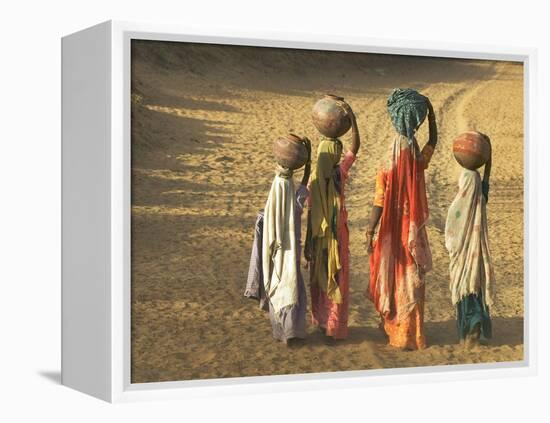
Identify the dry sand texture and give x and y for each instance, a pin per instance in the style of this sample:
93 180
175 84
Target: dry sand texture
203 120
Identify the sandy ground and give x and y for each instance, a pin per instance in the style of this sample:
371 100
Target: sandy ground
204 118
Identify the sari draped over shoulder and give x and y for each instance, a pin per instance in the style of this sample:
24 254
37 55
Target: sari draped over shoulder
401 254
327 241
290 321
472 282
467 241
325 196
279 249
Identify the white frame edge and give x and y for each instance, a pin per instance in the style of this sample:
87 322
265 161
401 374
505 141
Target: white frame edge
85 266
119 281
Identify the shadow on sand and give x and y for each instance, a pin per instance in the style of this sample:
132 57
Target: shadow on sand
506 331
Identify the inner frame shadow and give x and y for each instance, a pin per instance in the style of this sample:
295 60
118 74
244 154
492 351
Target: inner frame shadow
53 376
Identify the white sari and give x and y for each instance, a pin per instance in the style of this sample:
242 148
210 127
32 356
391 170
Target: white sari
279 244
467 240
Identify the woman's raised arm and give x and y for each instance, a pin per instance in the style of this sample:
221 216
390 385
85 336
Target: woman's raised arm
307 168
432 141
355 138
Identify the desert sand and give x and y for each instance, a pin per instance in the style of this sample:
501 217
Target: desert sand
203 122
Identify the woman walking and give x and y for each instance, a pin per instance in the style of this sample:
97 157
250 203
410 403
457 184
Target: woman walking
400 255
327 242
467 240
274 275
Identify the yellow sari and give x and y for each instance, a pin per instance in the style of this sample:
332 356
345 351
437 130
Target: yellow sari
325 208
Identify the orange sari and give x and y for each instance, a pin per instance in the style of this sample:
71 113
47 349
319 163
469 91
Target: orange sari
401 254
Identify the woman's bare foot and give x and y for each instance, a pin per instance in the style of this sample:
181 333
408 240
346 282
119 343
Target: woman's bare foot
294 342
472 339
330 341
383 330
470 342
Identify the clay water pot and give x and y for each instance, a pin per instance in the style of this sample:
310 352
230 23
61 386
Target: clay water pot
471 150
290 151
330 118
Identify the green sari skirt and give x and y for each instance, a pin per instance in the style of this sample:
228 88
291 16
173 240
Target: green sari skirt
472 310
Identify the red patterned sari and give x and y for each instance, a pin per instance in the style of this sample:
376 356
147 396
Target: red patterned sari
401 254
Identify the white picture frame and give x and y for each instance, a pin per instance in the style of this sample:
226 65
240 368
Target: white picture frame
96 213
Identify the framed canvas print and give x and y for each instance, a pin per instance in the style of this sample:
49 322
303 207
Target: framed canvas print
263 212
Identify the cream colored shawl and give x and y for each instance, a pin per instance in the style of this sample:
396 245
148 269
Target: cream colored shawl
279 243
467 240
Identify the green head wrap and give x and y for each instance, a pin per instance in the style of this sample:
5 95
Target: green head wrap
408 109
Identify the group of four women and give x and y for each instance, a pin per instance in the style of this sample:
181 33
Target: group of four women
399 255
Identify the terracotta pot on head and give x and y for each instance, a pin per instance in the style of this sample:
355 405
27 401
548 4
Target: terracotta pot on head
471 150
329 117
290 151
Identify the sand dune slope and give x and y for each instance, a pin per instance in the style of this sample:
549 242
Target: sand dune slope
203 119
